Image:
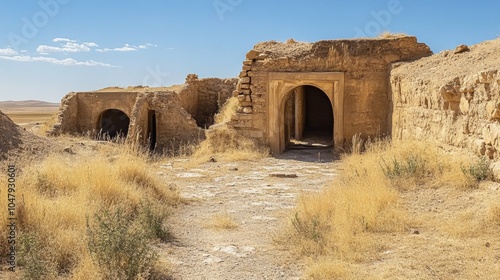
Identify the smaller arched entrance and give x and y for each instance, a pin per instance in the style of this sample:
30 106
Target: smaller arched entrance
113 123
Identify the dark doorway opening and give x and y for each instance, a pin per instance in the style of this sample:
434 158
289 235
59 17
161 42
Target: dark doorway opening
152 129
309 119
113 123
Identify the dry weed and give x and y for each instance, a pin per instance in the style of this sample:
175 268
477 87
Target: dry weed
328 269
389 35
225 144
342 221
61 196
222 221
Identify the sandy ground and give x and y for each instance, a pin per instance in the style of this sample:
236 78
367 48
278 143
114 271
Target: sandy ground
449 236
259 195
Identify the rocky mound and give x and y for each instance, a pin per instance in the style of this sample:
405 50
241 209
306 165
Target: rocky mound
15 142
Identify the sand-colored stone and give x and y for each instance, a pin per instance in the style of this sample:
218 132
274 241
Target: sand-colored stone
353 74
164 118
451 97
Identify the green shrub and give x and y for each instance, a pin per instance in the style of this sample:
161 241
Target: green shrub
32 257
479 170
119 247
413 165
308 228
152 218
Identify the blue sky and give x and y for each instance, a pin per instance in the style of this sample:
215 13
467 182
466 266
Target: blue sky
51 47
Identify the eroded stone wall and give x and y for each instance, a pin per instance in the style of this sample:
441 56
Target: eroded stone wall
174 126
202 98
452 97
364 62
80 114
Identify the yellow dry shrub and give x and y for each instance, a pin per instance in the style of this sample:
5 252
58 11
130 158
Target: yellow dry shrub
342 221
227 111
328 269
224 143
58 198
222 221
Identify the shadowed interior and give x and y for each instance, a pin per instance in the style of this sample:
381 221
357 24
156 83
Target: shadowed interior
113 123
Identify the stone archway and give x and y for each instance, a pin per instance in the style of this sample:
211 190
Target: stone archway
308 117
113 123
280 86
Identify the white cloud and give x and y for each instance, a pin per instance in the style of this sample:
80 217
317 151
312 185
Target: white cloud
69 46
127 48
7 51
64 62
55 40
91 44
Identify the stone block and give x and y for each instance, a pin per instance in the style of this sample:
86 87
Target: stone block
252 54
243 74
245 80
248 110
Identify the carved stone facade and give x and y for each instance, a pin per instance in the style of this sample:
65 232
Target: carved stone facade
282 89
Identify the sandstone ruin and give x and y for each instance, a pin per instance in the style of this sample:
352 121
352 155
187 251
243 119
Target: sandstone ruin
316 93
162 118
452 97
327 91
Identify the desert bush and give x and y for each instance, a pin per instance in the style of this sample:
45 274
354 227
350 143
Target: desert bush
412 166
118 246
60 192
32 257
479 170
151 217
340 223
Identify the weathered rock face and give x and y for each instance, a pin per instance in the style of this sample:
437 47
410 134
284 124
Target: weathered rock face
452 97
202 98
352 73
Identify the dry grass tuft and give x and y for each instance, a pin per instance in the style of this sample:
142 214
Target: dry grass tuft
328 269
62 204
224 143
227 111
343 220
389 35
222 221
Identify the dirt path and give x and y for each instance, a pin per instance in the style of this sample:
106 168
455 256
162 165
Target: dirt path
259 198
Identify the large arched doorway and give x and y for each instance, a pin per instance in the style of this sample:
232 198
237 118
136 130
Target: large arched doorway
308 116
281 87
113 123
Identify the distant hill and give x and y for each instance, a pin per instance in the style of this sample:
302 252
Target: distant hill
27 103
